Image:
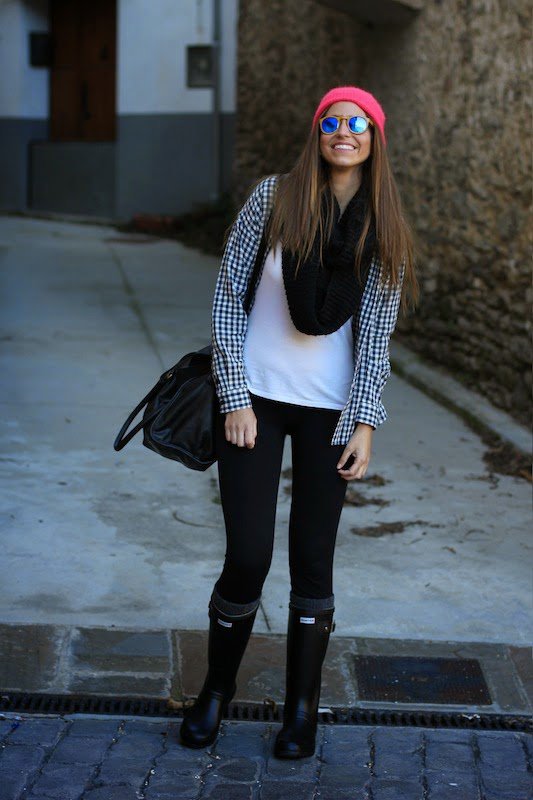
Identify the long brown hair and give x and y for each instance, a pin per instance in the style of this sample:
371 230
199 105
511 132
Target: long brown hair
296 214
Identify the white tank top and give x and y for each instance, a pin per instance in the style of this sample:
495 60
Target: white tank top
281 363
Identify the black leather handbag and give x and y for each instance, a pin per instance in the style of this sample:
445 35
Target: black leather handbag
180 415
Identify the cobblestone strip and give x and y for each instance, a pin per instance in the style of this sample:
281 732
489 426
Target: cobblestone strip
72 761
505 768
138 759
27 746
180 772
139 764
93 781
240 762
451 766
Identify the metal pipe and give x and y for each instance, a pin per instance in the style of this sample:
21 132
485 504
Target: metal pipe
217 127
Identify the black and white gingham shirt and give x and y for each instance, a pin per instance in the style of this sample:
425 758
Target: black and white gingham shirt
372 326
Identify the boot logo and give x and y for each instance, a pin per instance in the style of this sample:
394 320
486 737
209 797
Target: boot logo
308 620
224 623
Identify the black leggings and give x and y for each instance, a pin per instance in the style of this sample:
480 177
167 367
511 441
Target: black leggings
249 481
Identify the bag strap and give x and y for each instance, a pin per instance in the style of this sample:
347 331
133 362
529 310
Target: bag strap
122 439
257 266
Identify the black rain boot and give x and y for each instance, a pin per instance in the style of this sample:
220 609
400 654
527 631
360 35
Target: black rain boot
228 637
307 641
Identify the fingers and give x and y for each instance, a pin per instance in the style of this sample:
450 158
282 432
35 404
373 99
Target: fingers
242 435
355 470
249 435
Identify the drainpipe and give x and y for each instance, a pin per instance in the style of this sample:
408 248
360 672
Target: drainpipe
217 128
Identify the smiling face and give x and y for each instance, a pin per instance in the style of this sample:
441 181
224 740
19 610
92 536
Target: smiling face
344 149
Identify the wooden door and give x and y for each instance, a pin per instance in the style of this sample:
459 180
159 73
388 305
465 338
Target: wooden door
82 78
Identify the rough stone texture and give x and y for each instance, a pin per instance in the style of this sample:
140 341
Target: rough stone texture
290 52
453 83
142 758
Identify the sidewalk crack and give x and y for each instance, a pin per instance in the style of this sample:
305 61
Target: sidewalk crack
136 306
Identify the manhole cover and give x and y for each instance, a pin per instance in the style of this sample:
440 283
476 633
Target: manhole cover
414 679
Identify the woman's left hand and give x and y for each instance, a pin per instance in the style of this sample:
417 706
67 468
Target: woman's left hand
360 446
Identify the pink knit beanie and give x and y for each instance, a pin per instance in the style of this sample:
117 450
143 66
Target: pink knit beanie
353 94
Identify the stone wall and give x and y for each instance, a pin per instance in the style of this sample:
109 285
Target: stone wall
454 85
289 53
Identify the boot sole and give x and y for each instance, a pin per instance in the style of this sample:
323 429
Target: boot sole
288 754
198 744
284 748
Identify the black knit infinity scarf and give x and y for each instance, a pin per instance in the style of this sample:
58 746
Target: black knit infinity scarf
322 300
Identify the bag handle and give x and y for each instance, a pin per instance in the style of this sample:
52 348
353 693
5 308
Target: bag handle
122 439
257 267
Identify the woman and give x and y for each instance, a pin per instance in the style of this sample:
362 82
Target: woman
309 359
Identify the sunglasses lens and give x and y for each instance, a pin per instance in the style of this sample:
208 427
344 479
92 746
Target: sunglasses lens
329 124
358 124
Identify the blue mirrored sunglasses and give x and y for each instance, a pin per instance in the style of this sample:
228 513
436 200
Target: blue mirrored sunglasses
332 123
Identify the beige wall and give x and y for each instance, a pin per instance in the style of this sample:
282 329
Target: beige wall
454 86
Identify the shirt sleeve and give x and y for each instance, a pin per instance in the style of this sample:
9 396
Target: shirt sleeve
376 368
229 319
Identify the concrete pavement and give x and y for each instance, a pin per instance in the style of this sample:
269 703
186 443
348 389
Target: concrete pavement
430 545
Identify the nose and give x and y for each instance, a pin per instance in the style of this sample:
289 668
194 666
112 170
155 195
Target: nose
345 123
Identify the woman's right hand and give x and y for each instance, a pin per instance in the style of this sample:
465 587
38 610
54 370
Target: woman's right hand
240 427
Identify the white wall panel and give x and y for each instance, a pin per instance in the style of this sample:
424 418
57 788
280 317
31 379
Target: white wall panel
152 40
23 89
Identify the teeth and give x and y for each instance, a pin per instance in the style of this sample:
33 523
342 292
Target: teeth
343 147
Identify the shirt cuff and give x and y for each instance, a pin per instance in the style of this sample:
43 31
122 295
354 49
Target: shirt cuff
237 398
372 415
